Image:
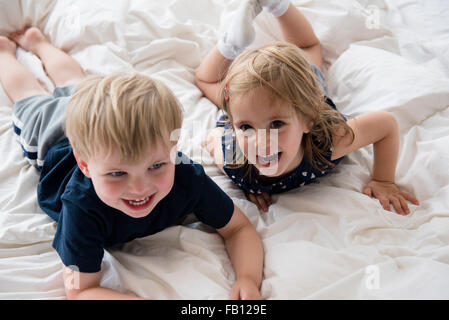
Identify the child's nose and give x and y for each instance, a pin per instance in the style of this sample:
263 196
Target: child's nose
267 142
139 185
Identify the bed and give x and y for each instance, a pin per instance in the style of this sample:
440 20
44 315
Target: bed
322 241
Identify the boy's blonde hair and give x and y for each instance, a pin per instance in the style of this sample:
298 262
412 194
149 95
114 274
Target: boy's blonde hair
122 112
287 75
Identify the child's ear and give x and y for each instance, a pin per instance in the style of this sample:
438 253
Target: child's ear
308 126
82 165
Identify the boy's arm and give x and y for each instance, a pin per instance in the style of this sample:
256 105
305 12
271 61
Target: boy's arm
246 253
86 286
381 130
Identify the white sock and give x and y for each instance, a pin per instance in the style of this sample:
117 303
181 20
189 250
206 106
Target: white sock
275 7
240 32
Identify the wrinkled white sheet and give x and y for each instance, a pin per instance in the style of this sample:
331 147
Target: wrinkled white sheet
324 241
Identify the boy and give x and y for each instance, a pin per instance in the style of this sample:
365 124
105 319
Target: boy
112 178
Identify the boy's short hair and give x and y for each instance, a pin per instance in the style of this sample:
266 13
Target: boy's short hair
122 112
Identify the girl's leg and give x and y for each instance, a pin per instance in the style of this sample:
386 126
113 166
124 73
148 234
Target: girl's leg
238 34
62 69
296 29
17 81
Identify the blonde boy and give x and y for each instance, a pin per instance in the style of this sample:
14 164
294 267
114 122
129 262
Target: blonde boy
109 177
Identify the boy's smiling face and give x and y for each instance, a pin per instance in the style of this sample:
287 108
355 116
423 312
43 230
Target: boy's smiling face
133 188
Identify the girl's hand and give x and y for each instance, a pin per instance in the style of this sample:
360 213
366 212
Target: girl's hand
262 201
245 289
388 193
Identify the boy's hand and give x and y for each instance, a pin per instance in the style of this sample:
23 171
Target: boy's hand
245 289
245 250
262 201
388 193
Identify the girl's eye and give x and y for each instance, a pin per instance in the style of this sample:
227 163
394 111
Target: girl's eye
245 127
276 124
156 166
117 173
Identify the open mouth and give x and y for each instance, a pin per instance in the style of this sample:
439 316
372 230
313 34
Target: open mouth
139 204
269 160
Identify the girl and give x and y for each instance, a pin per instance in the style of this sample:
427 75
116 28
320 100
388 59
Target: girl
280 88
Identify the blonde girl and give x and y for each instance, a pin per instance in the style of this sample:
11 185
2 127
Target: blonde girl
280 130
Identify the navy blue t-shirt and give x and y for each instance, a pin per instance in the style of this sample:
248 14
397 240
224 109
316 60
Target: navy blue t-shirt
86 226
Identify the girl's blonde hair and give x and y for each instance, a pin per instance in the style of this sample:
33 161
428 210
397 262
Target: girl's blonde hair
122 112
282 69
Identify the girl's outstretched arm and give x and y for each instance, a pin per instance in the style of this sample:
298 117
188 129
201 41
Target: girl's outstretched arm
381 130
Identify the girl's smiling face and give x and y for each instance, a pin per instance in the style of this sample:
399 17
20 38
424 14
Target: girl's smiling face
269 132
134 189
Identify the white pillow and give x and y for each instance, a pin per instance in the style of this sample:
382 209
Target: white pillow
365 79
336 23
15 15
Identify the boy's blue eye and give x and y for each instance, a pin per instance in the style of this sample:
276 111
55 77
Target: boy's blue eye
245 127
277 124
117 173
156 166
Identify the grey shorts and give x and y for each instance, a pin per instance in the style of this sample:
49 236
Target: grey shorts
38 123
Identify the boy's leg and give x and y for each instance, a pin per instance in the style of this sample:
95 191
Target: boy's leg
295 28
17 81
61 67
37 115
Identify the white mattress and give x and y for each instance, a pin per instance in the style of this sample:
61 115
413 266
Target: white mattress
323 241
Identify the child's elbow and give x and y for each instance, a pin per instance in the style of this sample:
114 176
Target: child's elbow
198 76
198 82
389 120
72 294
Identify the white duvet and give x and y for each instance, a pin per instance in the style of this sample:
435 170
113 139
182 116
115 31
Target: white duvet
323 241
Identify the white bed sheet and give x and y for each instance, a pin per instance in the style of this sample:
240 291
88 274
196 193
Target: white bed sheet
323 241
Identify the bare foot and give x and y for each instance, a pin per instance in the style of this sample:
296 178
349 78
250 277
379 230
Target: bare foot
28 38
7 45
